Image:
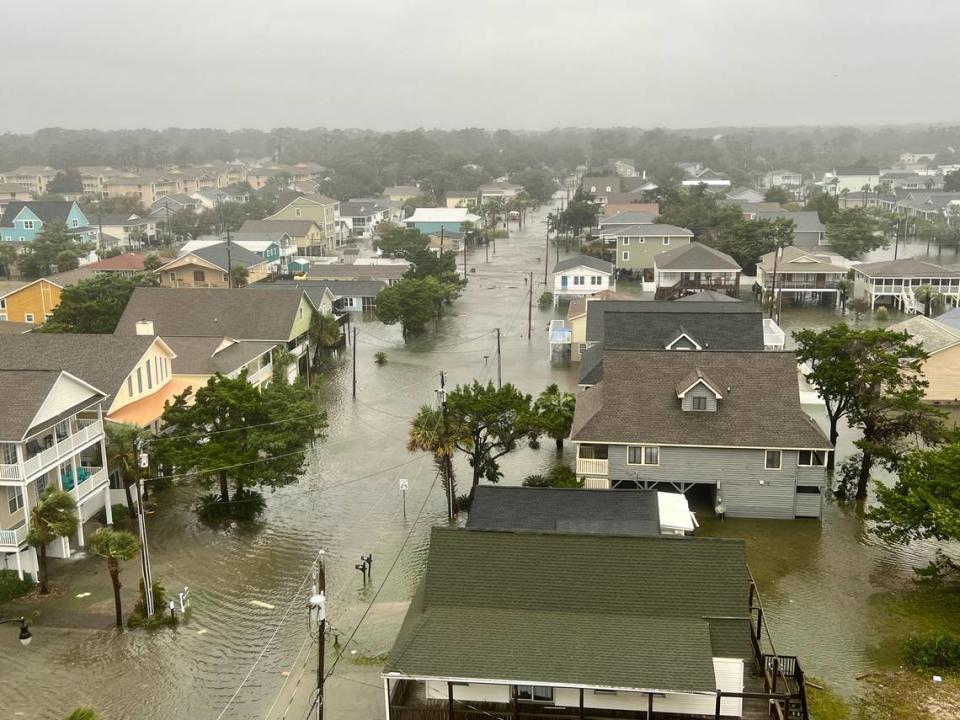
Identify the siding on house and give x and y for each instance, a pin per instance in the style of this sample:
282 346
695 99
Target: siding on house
637 253
739 472
699 392
38 299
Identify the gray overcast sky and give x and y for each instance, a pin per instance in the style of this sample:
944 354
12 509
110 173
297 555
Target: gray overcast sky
482 63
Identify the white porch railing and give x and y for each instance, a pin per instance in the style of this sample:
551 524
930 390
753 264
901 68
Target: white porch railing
9 472
13 538
63 448
260 375
560 334
590 466
94 482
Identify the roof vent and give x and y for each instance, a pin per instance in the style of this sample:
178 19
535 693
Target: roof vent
145 327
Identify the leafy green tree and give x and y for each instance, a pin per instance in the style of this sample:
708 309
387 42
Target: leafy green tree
951 181
429 433
539 184
153 262
924 503
555 410
53 517
492 421
8 257
95 305
325 333
238 276
749 240
413 303
560 476
54 245
66 181
115 545
844 288
120 205
582 212
121 440
825 204
234 432
853 232
929 297
778 195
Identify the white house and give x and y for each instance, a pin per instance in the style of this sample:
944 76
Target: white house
581 275
850 179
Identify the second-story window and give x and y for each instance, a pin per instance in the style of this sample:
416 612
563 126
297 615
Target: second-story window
8 454
773 459
28 224
14 499
139 381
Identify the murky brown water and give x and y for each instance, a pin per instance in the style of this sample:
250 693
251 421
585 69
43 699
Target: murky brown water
833 595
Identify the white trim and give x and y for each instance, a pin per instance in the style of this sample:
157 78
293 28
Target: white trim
722 447
643 456
697 345
779 459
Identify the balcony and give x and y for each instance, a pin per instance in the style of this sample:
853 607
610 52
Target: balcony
58 450
13 538
260 375
592 466
89 482
559 333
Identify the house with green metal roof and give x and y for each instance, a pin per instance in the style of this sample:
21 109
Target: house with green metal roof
527 624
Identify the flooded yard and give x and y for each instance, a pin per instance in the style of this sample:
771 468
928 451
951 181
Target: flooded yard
833 595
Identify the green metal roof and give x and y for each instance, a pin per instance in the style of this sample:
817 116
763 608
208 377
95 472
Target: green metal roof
596 610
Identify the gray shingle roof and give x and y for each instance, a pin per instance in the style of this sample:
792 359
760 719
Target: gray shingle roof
294 228
103 361
651 325
198 355
803 220
613 611
217 254
46 210
200 312
23 393
760 406
932 334
695 256
646 230
708 296
339 288
626 512
908 267
634 217
585 261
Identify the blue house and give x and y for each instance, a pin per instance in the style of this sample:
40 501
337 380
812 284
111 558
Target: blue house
430 220
22 221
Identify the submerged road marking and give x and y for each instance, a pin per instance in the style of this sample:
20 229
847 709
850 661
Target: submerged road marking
258 603
83 595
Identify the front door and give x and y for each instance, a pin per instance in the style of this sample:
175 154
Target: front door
563 282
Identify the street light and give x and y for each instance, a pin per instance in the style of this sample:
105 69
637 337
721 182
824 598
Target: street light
25 635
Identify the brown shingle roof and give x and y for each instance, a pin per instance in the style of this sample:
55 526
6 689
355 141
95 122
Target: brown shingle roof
760 405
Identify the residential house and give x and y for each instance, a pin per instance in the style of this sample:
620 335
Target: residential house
430 220
544 509
123 265
51 436
693 268
896 281
941 369
808 231
12 192
751 209
626 219
575 327
637 245
930 205
95 178
283 319
581 275
908 180
787 179
629 202
725 424
462 198
601 187
361 216
565 624
800 273
909 158
23 221
707 178
167 205
306 235
850 179
298 174
745 195
401 193
33 178
126 230
198 359
498 190
276 247
388 272
210 266
212 198
321 209
667 325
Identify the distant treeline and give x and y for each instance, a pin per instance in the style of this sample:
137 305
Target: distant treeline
370 160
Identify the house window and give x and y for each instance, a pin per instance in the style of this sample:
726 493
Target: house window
626 254
698 403
139 381
535 693
772 459
581 347
643 455
172 276
8 453
226 277
297 212
14 498
666 241
626 241
594 280
130 385
75 223
811 458
28 224
149 376
28 317
199 276
41 485
300 312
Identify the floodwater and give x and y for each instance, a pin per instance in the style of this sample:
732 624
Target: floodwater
833 595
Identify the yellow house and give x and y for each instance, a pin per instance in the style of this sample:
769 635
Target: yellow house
942 368
35 302
577 320
319 208
208 267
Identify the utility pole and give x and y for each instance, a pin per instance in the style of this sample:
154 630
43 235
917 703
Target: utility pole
317 605
143 461
441 244
354 363
530 310
546 259
499 375
486 250
463 239
229 265
773 298
442 393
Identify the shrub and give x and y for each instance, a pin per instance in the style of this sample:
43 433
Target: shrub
933 651
380 358
120 514
245 506
160 615
882 313
560 476
83 713
545 301
12 586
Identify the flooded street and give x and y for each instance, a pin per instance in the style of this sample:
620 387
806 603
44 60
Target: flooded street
832 594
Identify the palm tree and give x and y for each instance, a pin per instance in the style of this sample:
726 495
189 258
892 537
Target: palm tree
429 433
844 287
325 333
555 409
928 296
122 456
115 545
53 517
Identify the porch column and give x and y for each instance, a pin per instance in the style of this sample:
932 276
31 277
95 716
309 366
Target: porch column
31 550
107 503
649 706
449 701
386 698
76 486
581 703
719 697
20 566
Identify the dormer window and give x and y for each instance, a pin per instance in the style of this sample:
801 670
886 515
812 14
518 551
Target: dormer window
683 341
697 393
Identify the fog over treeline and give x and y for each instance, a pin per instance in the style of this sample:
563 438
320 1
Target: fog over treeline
384 158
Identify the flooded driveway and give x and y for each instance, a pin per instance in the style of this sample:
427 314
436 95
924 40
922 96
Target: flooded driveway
833 596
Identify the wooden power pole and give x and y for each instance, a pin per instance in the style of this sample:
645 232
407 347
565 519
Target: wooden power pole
354 363
499 375
530 310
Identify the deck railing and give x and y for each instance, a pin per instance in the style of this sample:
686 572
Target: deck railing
592 466
13 538
62 448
